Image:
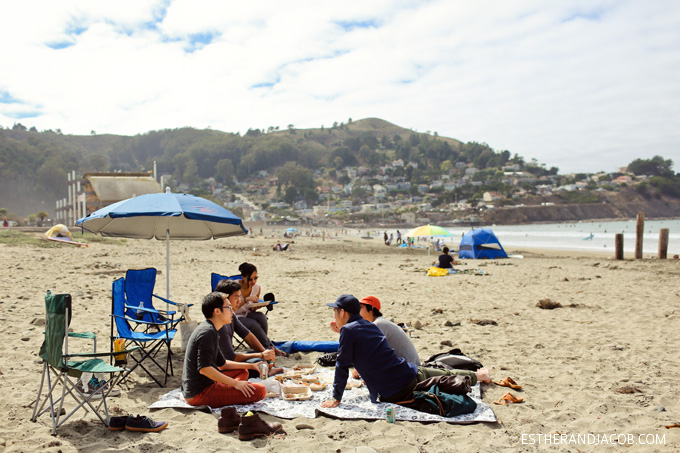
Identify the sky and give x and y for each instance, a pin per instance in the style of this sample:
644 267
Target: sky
581 85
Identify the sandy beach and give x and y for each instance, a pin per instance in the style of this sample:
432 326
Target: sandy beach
617 328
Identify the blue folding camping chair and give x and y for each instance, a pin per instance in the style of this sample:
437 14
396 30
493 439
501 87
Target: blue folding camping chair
150 344
139 285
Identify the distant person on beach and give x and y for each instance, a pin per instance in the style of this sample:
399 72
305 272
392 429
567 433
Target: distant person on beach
59 231
446 261
385 238
398 237
207 377
363 346
395 335
281 247
5 222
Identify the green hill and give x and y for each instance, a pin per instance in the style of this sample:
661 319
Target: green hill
34 165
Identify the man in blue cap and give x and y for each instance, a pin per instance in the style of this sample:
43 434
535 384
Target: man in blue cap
364 347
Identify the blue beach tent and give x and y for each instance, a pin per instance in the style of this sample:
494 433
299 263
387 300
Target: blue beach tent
481 243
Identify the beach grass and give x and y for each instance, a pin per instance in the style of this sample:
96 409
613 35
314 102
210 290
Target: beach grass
16 237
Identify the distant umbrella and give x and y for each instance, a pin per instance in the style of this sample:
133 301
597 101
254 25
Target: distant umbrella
291 230
164 216
428 230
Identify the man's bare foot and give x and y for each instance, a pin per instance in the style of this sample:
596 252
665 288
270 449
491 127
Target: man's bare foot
279 352
274 371
483 375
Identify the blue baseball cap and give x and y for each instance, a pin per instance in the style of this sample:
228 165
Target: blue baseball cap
348 303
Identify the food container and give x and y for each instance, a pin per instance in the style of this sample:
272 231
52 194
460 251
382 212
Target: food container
296 373
296 392
310 379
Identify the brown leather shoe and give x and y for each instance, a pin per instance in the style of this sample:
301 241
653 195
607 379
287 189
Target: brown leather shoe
229 420
253 426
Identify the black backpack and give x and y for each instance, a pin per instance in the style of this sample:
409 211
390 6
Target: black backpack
453 360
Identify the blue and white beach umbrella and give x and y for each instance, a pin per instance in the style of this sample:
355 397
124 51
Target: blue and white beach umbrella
164 216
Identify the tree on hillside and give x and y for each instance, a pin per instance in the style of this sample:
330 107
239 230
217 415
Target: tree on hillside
51 176
98 162
369 139
191 173
656 166
291 195
310 195
224 171
292 174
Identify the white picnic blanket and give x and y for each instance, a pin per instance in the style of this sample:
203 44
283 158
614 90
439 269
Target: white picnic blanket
355 405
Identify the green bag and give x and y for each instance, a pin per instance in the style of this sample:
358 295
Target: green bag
439 403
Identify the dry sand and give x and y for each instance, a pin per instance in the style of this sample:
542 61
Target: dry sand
621 331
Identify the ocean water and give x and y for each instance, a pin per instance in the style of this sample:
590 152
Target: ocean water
573 236
577 235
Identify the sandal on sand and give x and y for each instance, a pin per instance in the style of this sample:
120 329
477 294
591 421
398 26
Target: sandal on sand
508 382
508 398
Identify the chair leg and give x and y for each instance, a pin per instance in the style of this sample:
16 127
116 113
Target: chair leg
37 400
150 353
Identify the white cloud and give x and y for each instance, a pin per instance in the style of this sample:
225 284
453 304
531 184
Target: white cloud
579 85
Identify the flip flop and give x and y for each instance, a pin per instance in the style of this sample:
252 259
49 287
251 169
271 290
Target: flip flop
508 398
508 382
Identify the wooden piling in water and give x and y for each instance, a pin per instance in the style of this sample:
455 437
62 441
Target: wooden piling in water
639 234
663 243
619 246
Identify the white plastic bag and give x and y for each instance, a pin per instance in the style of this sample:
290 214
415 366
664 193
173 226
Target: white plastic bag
186 327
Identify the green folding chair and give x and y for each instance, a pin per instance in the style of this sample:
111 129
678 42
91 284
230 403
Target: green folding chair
64 369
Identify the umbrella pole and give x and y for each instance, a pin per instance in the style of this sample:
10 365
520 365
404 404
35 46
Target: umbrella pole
167 268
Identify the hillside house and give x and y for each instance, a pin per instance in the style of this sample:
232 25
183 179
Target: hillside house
492 196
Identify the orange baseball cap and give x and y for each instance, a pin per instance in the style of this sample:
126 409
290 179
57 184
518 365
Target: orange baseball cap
372 301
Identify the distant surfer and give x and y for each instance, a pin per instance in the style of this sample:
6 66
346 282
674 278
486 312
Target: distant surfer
589 238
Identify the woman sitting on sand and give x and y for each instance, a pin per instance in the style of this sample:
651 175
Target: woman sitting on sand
254 320
446 261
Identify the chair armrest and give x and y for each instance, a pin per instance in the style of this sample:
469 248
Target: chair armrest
86 335
103 354
139 321
171 302
150 310
95 354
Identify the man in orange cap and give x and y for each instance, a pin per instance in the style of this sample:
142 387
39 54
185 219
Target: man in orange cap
395 335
